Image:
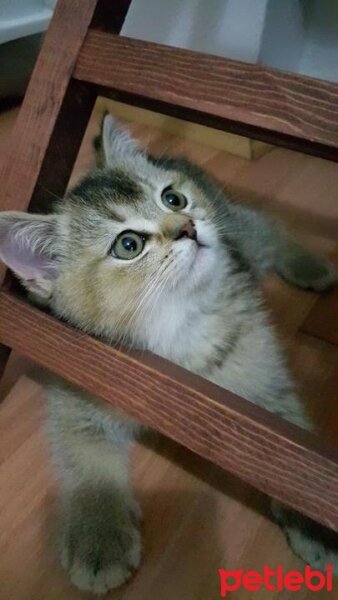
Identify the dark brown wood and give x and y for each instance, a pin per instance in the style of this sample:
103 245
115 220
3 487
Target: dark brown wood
54 114
277 458
4 356
72 121
53 117
63 147
279 107
110 15
39 113
322 320
41 107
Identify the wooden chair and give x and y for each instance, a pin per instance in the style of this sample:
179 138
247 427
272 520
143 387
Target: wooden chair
82 57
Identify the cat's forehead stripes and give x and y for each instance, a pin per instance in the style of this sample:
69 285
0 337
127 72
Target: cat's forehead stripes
101 188
117 195
132 191
116 217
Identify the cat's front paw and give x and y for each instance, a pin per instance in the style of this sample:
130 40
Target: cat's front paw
316 545
100 566
100 543
309 271
321 277
313 552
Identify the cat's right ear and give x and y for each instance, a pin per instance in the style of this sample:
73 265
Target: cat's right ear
28 247
115 144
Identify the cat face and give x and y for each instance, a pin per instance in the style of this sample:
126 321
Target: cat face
137 237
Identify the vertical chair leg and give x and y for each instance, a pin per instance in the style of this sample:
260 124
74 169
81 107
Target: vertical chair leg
54 115
36 131
65 142
4 356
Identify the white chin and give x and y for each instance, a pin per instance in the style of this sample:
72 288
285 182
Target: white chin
201 268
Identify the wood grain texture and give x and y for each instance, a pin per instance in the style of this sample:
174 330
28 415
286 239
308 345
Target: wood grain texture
42 103
277 107
71 123
195 519
177 490
63 146
43 100
275 457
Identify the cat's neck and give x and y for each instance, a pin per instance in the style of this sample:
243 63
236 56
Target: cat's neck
195 332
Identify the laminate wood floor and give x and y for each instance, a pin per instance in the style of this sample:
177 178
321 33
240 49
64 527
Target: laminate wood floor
196 518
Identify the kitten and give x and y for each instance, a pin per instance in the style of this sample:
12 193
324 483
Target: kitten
150 252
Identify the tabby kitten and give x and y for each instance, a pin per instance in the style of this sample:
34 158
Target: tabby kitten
150 252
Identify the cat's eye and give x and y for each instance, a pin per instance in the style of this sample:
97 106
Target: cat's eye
128 245
173 200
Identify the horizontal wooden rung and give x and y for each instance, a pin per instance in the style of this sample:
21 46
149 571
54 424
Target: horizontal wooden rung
249 99
277 458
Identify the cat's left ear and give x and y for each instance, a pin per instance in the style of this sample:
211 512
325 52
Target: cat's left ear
115 143
28 246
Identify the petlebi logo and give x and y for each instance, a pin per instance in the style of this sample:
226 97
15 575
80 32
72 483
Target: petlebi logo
275 580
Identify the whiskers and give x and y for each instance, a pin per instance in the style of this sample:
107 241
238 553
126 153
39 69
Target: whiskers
139 310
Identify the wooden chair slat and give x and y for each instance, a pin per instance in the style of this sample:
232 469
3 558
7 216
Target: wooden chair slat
42 103
278 458
249 99
301 113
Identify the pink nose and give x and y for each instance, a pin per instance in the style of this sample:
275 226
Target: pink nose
187 230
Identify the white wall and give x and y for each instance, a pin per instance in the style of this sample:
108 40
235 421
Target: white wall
320 52
20 18
296 35
231 28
